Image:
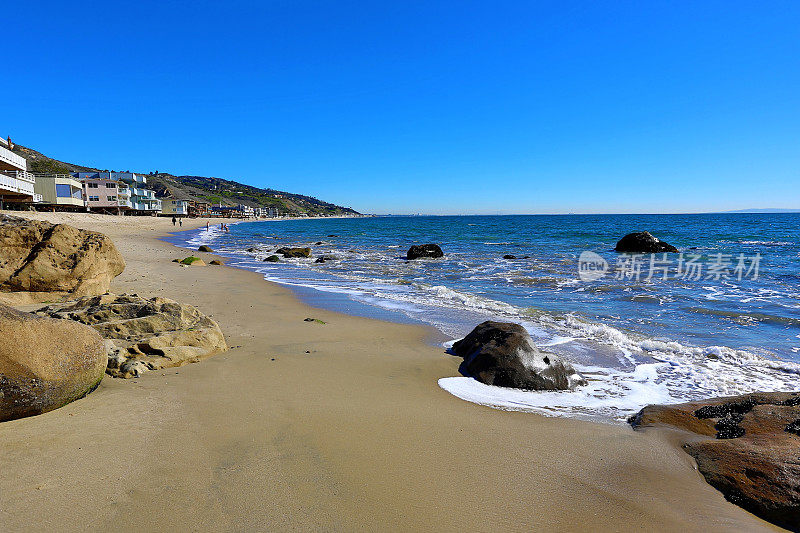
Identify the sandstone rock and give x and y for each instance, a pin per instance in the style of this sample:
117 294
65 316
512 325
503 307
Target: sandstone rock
502 354
745 446
147 334
643 243
41 261
205 248
294 252
424 250
45 363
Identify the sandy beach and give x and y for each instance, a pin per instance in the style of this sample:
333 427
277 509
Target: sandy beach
335 426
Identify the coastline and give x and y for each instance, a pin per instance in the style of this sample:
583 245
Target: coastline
354 434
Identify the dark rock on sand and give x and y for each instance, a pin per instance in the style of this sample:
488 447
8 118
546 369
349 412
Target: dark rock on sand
509 256
205 248
41 261
45 363
502 354
216 262
424 250
272 259
643 243
294 252
144 334
747 447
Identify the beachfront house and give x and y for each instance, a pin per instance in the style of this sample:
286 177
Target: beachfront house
199 208
60 191
118 192
16 184
174 207
103 193
143 200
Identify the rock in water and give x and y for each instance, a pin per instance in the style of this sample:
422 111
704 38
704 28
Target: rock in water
294 252
145 334
745 447
45 363
41 261
424 250
643 243
272 259
502 354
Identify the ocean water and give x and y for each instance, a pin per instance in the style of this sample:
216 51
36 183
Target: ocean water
726 320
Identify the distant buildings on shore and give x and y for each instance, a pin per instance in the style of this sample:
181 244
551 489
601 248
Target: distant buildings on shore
116 193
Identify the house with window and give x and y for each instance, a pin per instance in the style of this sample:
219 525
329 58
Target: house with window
172 207
60 191
103 193
16 183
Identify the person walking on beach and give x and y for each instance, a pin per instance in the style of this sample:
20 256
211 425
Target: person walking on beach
174 220
207 225
180 222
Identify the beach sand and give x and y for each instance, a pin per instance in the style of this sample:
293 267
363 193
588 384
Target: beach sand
305 426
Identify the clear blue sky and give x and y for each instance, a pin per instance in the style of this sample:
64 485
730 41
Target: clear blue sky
433 107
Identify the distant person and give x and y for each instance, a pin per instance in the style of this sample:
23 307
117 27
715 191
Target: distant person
180 222
174 221
207 228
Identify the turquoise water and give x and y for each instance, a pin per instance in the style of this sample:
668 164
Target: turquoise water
730 328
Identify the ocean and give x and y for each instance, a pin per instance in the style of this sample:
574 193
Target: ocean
721 318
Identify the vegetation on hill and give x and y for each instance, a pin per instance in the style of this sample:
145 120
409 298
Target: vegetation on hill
214 190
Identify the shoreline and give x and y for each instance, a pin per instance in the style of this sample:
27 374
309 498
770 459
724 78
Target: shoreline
335 426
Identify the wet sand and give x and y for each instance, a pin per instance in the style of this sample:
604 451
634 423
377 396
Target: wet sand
336 426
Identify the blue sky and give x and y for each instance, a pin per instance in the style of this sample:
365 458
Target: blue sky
433 107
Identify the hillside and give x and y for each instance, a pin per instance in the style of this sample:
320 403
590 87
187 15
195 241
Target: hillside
214 190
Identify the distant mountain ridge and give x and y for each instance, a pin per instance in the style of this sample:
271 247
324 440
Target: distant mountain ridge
215 190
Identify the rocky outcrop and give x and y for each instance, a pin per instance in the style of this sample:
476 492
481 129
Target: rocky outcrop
747 447
419 251
205 248
643 243
294 252
45 363
502 354
41 261
145 334
272 259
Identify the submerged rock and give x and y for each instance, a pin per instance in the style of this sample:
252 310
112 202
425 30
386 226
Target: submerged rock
424 250
294 252
45 363
509 256
745 446
502 354
145 334
643 243
41 261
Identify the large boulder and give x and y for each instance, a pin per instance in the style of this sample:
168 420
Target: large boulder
419 251
145 334
747 447
294 252
45 363
502 354
643 243
41 261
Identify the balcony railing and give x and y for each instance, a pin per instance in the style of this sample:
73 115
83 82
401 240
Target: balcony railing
18 181
9 157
